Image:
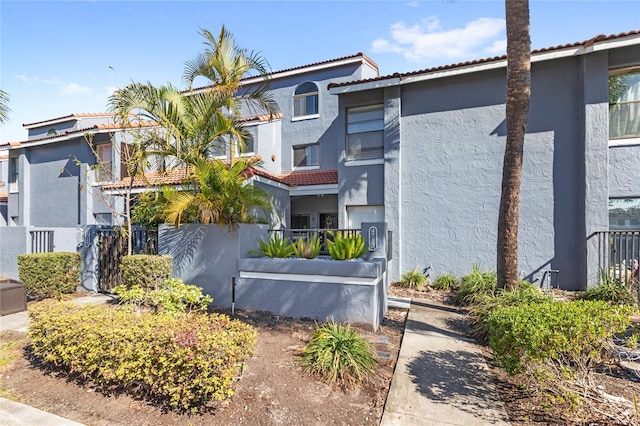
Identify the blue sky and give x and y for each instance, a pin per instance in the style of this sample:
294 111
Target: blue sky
64 57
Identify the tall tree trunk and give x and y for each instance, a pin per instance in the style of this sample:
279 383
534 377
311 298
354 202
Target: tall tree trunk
517 105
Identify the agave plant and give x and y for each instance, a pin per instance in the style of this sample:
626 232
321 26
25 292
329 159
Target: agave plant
275 246
307 248
345 246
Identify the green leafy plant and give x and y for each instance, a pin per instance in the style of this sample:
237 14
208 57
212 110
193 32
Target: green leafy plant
345 245
475 285
339 355
275 246
184 362
173 297
307 248
47 275
445 282
146 271
413 279
609 290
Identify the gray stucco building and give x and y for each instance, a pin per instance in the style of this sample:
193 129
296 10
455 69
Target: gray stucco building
422 151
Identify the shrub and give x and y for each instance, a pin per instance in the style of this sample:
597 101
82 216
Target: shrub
573 334
173 297
609 290
307 248
275 246
146 271
445 282
475 285
345 246
49 274
339 355
413 279
187 362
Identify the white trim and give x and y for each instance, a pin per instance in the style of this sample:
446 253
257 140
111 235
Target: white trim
63 138
305 117
624 142
306 168
64 120
369 162
329 189
501 63
267 181
326 279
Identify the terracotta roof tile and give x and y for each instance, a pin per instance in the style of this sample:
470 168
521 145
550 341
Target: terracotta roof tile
585 43
313 177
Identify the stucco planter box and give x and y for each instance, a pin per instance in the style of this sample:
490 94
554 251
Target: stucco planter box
322 288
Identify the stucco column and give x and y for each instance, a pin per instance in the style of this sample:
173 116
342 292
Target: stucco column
593 179
392 176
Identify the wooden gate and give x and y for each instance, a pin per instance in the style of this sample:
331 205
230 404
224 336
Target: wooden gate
113 246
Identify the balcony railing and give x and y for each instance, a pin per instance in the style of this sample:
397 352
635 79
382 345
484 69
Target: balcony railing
619 255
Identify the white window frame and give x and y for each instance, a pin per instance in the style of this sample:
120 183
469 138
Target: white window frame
101 163
362 120
633 104
297 97
14 174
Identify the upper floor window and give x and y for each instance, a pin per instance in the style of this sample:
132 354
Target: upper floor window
365 132
52 132
624 104
306 155
104 172
13 173
305 100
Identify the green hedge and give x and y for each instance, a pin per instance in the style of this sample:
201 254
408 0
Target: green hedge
49 274
146 271
185 361
573 333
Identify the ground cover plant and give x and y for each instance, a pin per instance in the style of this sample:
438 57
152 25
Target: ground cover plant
413 279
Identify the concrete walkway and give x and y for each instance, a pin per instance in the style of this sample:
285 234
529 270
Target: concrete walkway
441 377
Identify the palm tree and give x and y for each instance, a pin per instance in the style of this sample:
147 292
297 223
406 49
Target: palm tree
517 109
225 65
4 107
219 195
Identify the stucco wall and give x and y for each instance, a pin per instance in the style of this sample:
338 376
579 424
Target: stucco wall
624 164
13 243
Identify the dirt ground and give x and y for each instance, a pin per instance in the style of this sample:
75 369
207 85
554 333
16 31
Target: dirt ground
273 390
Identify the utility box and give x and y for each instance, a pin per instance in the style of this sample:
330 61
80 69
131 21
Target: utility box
13 296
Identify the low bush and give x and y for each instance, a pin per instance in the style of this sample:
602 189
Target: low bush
173 297
413 279
574 334
146 271
475 285
345 246
339 355
187 362
307 248
445 282
275 246
609 290
48 275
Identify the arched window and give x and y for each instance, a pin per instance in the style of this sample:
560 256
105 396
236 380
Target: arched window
52 132
305 100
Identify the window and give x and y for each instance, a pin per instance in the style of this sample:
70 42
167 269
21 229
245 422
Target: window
14 173
365 133
249 141
306 155
624 104
305 100
358 214
300 221
624 214
102 218
52 132
105 156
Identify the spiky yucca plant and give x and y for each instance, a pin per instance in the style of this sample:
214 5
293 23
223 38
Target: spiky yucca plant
345 246
275 246
339 355
307 248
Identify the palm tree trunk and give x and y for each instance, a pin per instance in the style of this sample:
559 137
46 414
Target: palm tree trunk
517 106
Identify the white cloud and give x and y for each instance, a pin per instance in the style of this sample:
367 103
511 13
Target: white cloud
24 78
413 4
427 40
73 89
498 47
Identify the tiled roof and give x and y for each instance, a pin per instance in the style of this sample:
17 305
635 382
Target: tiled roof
4 197
262 118
586 43
70 116
179 176
301 67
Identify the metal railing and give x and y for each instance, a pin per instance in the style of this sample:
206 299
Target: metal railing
41 241
619 255
323 234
